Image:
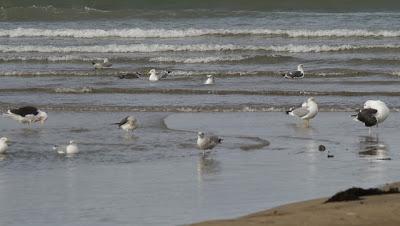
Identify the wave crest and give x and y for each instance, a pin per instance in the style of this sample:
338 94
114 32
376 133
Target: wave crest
113 48
192 32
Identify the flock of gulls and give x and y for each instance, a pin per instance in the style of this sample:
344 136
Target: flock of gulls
373 113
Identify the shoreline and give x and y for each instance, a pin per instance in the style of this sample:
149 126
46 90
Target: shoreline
369 210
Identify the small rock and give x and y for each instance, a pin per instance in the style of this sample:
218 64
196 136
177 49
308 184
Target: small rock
321 147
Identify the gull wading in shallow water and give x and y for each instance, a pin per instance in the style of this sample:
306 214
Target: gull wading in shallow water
156 77
307 111
27 114
128 123
71 148
102 65
207 142
373 113
209 80
3 145
295 74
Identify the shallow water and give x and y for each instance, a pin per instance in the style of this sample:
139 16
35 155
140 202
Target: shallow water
156 176
121 180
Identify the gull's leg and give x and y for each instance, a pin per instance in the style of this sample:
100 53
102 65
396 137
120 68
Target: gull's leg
307 123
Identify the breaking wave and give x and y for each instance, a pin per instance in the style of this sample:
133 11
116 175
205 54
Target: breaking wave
196 60
192 32
114 48
177 91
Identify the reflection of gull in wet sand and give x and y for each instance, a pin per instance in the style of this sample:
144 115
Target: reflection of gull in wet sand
307 111
102 65
208 166
295 74
371 146
3 145
71 148
207 142
128 123
210 80
27 114
373 113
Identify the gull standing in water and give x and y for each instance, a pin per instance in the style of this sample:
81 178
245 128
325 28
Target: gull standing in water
27 114
156 77
307 111
153 76
295 74
102 65
210 80
373 113
207 142
71 148
3 145
129 123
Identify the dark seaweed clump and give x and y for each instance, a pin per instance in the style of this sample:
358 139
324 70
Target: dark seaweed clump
355 193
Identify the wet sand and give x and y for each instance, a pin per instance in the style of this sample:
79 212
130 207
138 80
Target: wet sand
370 210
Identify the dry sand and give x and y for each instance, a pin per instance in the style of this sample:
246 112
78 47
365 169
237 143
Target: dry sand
382 210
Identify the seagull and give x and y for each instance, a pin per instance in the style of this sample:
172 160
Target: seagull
295 74
373 113
128 123
27 114
3 145
71 148
102 65
207 142
307 111
155 77
210 80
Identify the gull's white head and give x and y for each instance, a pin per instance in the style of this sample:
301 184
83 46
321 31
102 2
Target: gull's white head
200 135
374 104
4 140
311 99
105 60
131 119
210 76
42 116
152 71
72 142
300 68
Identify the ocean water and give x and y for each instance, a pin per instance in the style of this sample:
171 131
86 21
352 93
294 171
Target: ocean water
350 54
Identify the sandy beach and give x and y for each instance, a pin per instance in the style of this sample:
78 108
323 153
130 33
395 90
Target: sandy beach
370 210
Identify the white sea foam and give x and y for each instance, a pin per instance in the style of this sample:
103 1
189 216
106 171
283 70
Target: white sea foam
196 60
192 32
49 58
113 48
